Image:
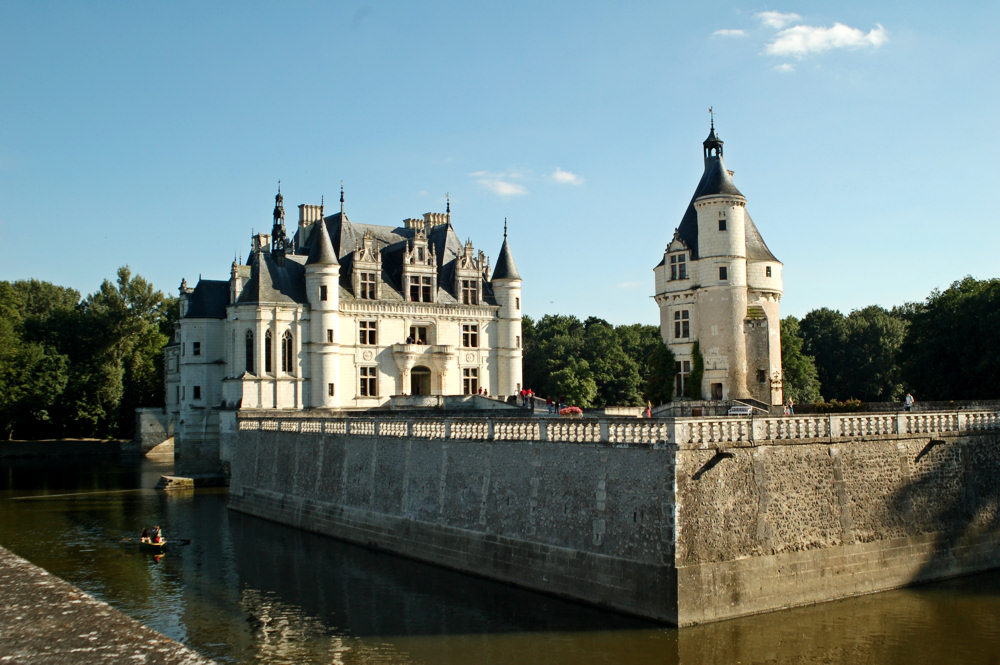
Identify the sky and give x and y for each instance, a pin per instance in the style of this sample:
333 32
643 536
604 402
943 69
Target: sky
154 135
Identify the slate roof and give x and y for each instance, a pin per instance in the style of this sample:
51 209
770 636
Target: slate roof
346 236
505 264
272 281
208 300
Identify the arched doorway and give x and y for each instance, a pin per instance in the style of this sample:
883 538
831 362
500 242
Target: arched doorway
420 381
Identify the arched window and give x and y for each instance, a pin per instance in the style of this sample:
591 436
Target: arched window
267 352
286 352
249 350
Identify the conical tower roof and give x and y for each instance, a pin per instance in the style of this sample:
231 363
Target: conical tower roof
505 268
321 252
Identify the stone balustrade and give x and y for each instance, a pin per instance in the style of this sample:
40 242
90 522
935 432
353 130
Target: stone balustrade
695 432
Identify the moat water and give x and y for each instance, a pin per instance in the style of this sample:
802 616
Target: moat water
249 591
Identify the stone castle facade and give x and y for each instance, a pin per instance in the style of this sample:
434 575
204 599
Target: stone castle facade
344 315
719 285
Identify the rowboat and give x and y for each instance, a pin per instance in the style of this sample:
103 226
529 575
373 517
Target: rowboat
146 545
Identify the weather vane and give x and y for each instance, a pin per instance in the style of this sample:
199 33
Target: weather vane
711 114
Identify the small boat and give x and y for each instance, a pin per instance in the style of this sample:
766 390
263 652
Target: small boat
147 545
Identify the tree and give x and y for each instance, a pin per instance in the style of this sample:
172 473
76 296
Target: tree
692 388
798 370
874 340
952 348
824 338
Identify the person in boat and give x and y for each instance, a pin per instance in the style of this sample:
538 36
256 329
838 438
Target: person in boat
156 536
144 536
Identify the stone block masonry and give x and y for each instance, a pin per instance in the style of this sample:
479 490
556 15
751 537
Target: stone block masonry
44 620
683 520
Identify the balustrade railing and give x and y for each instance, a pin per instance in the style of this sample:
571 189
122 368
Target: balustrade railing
696 432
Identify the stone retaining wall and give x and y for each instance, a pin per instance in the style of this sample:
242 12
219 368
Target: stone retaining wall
769 512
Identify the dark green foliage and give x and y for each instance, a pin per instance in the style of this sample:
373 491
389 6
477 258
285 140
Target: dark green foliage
594 363
857 356
72 368
692 389
952 350
798 370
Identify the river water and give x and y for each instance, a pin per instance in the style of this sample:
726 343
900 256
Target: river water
249 591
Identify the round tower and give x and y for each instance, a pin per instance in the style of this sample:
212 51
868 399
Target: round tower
507 290
323 293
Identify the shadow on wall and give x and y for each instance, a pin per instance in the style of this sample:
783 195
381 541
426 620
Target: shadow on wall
954 491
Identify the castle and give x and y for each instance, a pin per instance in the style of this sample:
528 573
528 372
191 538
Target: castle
345 315
720 286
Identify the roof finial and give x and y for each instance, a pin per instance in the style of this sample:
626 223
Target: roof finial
341 200
504 228
711 114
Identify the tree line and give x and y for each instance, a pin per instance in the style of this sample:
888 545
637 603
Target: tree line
945 348
79 367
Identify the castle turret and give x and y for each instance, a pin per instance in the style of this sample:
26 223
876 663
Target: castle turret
507 290
323 292
719 285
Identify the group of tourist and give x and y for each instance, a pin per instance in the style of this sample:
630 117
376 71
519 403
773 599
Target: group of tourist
151 536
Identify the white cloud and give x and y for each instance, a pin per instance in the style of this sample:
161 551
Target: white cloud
777 20
503 187
784 67
501 184
566 177
801 40
729 32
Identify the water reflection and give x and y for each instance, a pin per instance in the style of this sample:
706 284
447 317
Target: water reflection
250 591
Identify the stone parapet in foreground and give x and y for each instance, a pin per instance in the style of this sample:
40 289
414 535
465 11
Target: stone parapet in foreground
46 620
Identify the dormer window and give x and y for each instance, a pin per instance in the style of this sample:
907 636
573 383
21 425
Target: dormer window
421 288
678 266
367 268
367 286
470 291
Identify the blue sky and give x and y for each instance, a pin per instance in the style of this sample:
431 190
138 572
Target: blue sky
154 135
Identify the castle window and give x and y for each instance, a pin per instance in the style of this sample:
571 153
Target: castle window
420 288
722 224
767 271
683 369
367 290
517 303
329 335
329 389
678 266
367 333
762 376
723 273
470 292
368 377
470 335
249 351
197 392
418 335
287 353
196 348
682 324
470 381
322 292
267 352
517 342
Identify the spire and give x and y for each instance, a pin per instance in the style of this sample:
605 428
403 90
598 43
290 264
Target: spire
279 241
713 144
505 262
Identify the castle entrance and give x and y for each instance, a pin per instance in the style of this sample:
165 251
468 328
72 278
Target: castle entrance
420 381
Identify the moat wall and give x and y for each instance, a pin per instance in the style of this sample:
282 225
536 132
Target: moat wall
770 513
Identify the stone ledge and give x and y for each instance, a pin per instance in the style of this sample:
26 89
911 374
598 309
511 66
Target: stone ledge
46 620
